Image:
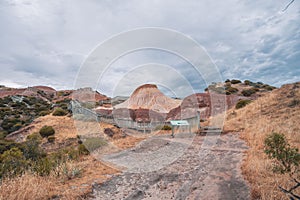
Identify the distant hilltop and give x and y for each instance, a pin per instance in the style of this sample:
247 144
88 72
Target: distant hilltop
50 94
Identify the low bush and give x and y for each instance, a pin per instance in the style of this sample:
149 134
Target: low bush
249 92
51 138
82 150
166 128
247 82
285 159
277 148
234 81
44 112
43 167
269 88
6 145
46 131
13 163
242 103
109 132
31 149
231 90
94 143
294 103
34 136
59 112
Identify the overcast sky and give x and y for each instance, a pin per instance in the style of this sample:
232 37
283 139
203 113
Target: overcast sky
45 42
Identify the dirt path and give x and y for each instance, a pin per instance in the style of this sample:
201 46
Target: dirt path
209 168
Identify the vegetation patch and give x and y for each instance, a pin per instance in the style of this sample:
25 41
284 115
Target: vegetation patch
286 160
249 92
94 143
59 112
234 81
242 103
46 131
51 138
20 111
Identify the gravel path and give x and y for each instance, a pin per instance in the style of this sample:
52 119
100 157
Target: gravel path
207 167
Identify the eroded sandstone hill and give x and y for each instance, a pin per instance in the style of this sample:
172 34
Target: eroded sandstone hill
149 97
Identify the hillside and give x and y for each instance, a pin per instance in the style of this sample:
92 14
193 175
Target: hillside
51 95
25 113
279 112
81 168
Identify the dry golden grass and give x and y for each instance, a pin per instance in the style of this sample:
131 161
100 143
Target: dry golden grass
128 142
27 186
271 113
30 186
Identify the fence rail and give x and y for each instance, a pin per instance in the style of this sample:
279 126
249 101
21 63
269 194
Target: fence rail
194 122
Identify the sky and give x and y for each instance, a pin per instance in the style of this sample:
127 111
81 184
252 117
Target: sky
48 42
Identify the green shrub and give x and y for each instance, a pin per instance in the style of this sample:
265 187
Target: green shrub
3 134
46 131
231 90
43 167
34 136
163 127
294 103
247 82
92 144
6 145
31 150
234 81
13 163
242 103
72 153
44 112
82 150
17 126
286 160
277 148
51 138
249 92
269 88
59 112
166 128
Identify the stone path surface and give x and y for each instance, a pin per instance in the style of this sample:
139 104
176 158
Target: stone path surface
208 168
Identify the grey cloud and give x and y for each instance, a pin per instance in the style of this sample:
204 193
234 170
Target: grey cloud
45 42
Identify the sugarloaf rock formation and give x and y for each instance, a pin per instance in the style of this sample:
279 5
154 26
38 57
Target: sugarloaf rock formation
149 97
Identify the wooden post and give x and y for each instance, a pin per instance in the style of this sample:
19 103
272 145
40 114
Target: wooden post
172 131
198 119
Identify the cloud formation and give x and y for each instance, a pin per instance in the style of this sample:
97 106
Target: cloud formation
45 42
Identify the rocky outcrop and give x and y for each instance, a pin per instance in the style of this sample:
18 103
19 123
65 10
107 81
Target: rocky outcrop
88 95
147 103
149 97
209 104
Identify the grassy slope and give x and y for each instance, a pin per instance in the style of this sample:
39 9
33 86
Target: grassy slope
92 170
279 112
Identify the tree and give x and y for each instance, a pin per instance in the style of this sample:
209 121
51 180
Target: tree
286 160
